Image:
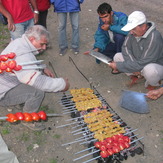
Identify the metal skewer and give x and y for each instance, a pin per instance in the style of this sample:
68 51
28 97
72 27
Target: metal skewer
86 155
91 159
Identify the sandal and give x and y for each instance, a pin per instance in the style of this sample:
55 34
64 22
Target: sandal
115 72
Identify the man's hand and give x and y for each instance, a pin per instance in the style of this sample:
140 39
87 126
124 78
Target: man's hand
35 18
155 94
105 27
67 85
87 52
48 73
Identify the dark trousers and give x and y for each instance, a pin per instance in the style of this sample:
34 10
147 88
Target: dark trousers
113 48
42 18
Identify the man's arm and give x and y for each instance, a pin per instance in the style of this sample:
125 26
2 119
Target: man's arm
35 10
11 26
155 94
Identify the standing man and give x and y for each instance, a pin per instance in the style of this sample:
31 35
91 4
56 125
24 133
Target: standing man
43 6
20 16
63 7
28 86
109 37
142 51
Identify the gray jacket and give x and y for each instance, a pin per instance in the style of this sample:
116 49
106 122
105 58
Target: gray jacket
25 52
138 52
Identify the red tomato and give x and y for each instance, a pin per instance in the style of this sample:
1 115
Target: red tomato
120 140
20 115
97 144
27 117
116 149
11 64
17 67
104 154
109 140
108 145
121 146
126 139
115 143
11 55
126 144
3 57
11 117
35 116
103 142
103 148
110 152
42 115
115 137
3 66
8 69
1 71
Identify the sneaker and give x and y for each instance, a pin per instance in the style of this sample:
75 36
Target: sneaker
98 61
62 52
76 51
35 126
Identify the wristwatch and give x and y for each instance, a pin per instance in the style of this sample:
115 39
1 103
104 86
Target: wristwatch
36 12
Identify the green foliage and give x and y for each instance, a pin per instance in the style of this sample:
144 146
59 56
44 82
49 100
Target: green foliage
52 161
57 136
5 130
30 147
4 35
25 137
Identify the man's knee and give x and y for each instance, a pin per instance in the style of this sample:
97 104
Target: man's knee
39 94
118 57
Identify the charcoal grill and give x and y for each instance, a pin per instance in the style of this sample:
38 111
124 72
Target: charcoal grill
87 139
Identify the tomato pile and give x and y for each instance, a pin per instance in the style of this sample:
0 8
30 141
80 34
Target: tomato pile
8 65
112 145
28 117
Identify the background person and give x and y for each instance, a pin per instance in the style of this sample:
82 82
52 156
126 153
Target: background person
20 16
142 51
109 37
28 86
43 6
63 8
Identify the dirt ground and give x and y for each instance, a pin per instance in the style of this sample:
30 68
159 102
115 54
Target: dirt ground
46 146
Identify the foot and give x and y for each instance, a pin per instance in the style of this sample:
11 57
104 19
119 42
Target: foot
35 126
114 72
134 80
62 52
150 87
76 51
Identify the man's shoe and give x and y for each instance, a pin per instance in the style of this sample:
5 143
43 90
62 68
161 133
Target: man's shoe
35 126
62 52
76 51
98 61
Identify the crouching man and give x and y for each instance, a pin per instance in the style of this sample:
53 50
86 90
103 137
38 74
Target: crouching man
28 85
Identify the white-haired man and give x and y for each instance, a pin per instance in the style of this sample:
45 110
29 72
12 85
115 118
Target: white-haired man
28 85
142 51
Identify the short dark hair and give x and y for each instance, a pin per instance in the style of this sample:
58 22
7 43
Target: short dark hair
104 8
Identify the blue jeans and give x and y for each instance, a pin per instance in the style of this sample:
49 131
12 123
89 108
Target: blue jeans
21 28
74 19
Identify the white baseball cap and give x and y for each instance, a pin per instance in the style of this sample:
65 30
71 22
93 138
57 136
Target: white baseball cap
134 19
